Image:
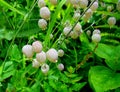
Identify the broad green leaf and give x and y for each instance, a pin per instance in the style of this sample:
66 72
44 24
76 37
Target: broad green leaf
114 60
103 51
102 79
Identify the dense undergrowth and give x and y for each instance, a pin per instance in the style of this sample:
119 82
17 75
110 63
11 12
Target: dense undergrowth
90 61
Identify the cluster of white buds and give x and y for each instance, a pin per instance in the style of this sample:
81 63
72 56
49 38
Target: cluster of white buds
90 11
76 31
44 14
76 15
96 36
41 56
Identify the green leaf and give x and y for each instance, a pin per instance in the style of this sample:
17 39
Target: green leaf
103 79
15 53
78 86
103 51
8 70
5 4
114 60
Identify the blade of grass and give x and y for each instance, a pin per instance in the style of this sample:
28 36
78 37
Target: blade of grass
5 4
52 23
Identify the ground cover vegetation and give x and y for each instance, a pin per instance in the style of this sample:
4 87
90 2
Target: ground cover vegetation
59 45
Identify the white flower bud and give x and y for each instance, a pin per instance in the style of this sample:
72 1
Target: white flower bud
96 38
45 68
42 24
83 3
45 13
41 57
88 32
89 13
41 3
78 27
109 8
35 63
74 35
60 66
66 30
37 46
52 55
60 53
27 51
94 6
76 16
111 21
54 2
96 31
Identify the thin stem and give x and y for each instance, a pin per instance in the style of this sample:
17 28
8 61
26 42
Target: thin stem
86 57
24 20
77 22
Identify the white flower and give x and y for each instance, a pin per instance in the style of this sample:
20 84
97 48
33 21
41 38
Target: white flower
60 53
111 21
96 38
37 46
45 68
52 55
41 3
27 51
35 63
41 57
60 66
45 13
42 23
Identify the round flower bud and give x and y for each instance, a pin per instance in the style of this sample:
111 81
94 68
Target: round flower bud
52 55
41 57
74 35
89 13
76 16
96 38
45 13
27 51
45 68
60 53
35 63
94 6
54 2
109 8
41 3
88 32
60 67
111 21
42 24
96 31
83 3
66 30
77 27
37 46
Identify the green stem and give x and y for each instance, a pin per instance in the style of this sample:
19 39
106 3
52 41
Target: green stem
9 48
